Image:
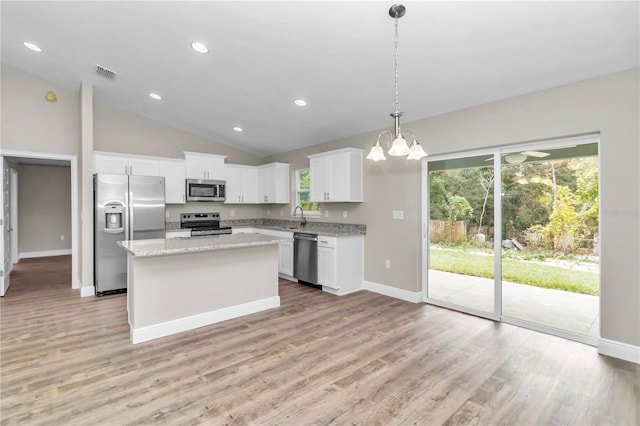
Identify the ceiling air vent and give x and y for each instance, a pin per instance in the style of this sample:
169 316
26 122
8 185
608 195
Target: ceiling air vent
105 72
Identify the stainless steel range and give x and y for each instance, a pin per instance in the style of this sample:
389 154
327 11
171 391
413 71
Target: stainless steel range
203 224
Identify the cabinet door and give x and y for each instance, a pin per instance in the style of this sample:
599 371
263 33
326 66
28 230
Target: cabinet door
285 265
234 184
174 181
281 184
111 164
249 185
215 168
142 167
266 177
327 267
196 167
319 174
338 178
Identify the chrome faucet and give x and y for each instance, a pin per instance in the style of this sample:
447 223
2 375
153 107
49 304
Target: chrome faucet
303 221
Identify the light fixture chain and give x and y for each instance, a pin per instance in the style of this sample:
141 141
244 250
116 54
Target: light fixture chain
397 104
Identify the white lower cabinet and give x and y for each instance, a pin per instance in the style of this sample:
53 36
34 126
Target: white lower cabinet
327 267
340 263
285 249
285 264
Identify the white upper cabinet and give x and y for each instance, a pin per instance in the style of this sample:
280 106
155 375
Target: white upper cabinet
336 176
122 164
174 180
273 183
204 166
242 184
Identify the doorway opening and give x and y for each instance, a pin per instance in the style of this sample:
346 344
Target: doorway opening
529 257
47 209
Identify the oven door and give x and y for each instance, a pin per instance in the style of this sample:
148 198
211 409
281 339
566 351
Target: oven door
204 190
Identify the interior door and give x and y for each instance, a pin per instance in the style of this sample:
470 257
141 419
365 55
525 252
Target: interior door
14 217
6 227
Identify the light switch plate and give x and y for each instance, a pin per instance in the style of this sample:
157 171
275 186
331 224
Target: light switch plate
167 214
398 214
326 213
344 214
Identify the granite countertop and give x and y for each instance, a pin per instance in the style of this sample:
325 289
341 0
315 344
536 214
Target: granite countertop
171 246
329 229
308 228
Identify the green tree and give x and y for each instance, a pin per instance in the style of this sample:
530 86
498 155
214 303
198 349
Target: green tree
564 221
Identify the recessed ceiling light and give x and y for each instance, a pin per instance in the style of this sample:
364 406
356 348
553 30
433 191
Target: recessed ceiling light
32 46
237 129
155 96
300 102
199 47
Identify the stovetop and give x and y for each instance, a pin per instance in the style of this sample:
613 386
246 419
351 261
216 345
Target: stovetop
203 223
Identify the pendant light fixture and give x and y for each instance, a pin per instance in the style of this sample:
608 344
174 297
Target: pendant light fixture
398 142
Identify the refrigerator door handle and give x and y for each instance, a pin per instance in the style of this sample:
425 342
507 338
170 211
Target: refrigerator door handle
126 216
131 208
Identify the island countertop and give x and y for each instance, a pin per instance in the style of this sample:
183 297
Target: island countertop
172 246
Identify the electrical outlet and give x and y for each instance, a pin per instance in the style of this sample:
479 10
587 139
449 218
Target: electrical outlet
232 213
167 214
268 212
387 264
344 214
398 214
326 213
281 212
61 237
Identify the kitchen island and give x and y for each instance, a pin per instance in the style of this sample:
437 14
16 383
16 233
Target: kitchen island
179 284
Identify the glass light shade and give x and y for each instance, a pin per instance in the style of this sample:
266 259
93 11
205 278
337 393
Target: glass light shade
399 147
515 158
416 152
376 153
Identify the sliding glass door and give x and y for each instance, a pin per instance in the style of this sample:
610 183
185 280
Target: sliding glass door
550 227
529 257
461 260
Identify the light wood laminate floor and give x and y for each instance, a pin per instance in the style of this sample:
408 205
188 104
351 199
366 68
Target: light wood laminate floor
319 359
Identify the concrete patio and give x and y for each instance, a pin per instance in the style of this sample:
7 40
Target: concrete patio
574 312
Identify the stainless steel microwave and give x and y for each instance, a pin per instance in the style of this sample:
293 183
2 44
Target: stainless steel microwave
205 190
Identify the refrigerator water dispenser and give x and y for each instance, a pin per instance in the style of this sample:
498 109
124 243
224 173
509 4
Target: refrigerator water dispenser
113 219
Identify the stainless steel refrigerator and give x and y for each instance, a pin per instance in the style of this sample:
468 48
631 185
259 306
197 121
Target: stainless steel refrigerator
125 208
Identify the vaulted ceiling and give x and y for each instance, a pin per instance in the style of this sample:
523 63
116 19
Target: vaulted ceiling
337 56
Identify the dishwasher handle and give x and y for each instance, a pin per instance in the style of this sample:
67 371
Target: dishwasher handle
306 237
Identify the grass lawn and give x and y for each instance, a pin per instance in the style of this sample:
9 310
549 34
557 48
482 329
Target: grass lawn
517 271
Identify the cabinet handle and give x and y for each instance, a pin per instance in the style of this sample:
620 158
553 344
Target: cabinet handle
130 170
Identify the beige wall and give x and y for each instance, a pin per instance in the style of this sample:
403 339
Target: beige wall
44 208
117 130
608 105
30 123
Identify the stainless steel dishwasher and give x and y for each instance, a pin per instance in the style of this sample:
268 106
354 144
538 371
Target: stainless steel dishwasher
305 257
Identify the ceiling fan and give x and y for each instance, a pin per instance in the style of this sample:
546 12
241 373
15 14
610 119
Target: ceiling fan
519 157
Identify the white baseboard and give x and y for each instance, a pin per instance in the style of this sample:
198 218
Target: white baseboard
619 350
168 328
87 291
44 253
398 293
339 292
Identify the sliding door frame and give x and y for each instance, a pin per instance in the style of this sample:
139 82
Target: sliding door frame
497 253
426 223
